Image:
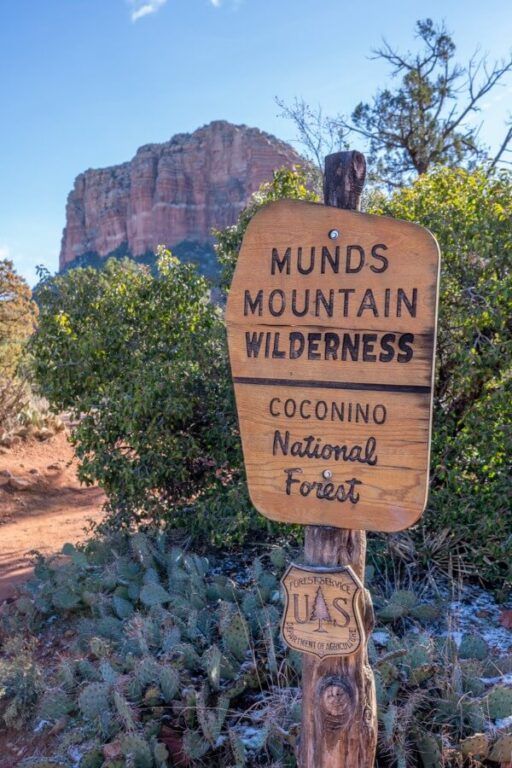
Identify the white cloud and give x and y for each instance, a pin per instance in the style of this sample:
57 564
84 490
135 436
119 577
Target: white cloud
233 4
4 251
141 8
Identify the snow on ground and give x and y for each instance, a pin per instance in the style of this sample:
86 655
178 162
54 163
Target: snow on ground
475 611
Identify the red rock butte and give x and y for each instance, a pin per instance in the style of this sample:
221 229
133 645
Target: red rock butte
171 192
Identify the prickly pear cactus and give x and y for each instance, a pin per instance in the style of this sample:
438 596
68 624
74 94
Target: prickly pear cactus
400 604
169 681
172 653
212 660
94 700
124 711
279 558
502 749
123 607
499 702
475 746
473 647
154 594
161 755
429 750
54 705
137 751
147 671
472 673
194 745
237 748
211 718
234 631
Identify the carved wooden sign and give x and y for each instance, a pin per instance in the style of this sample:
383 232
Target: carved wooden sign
322 610
331 324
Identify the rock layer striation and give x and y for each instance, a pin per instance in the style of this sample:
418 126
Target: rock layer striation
171 192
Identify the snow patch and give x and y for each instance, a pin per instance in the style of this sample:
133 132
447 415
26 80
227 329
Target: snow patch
380 638
504 723
475 611
41 726
501 680
76 756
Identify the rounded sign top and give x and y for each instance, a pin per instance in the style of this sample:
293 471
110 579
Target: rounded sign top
331 327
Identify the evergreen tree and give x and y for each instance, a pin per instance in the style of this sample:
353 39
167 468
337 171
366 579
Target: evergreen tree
320 611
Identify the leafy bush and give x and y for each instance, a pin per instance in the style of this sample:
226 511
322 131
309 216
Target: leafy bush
470 214
141 360
167 653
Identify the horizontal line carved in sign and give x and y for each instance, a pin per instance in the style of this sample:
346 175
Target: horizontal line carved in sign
353 385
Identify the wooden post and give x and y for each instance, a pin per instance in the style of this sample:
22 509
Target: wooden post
295 346
339 709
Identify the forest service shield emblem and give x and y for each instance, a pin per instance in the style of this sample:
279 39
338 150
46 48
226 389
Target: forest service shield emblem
322 613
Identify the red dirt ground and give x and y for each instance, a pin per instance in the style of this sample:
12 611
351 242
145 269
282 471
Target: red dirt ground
51 510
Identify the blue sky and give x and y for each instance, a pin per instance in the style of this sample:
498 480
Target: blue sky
83 83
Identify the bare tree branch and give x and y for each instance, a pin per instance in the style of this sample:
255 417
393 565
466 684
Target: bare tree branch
505 147
318 134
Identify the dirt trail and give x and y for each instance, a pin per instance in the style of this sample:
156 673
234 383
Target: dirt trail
42 505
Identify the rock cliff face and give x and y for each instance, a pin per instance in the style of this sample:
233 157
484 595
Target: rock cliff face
171 192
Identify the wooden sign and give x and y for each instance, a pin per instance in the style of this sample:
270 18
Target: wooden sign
331 324
321 617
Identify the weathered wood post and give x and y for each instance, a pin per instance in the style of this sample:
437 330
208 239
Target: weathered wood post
339 710
331 321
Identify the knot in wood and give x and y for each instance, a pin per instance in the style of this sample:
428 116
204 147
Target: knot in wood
338 699
358 171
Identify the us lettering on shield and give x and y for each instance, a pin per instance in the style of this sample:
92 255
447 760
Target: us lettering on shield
322 613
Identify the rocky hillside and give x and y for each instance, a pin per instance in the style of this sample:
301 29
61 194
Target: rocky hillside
171 193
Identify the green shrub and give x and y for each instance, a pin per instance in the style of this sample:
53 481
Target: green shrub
470 214
202 254
141 360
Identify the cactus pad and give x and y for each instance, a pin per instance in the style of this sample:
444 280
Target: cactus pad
499 702
473 647
94 700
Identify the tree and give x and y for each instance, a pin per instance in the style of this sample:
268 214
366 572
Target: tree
320 610
426 119
18 315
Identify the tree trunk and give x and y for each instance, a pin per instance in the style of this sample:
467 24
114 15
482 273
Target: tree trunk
339 710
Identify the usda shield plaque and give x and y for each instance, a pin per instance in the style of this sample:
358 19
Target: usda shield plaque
322 611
